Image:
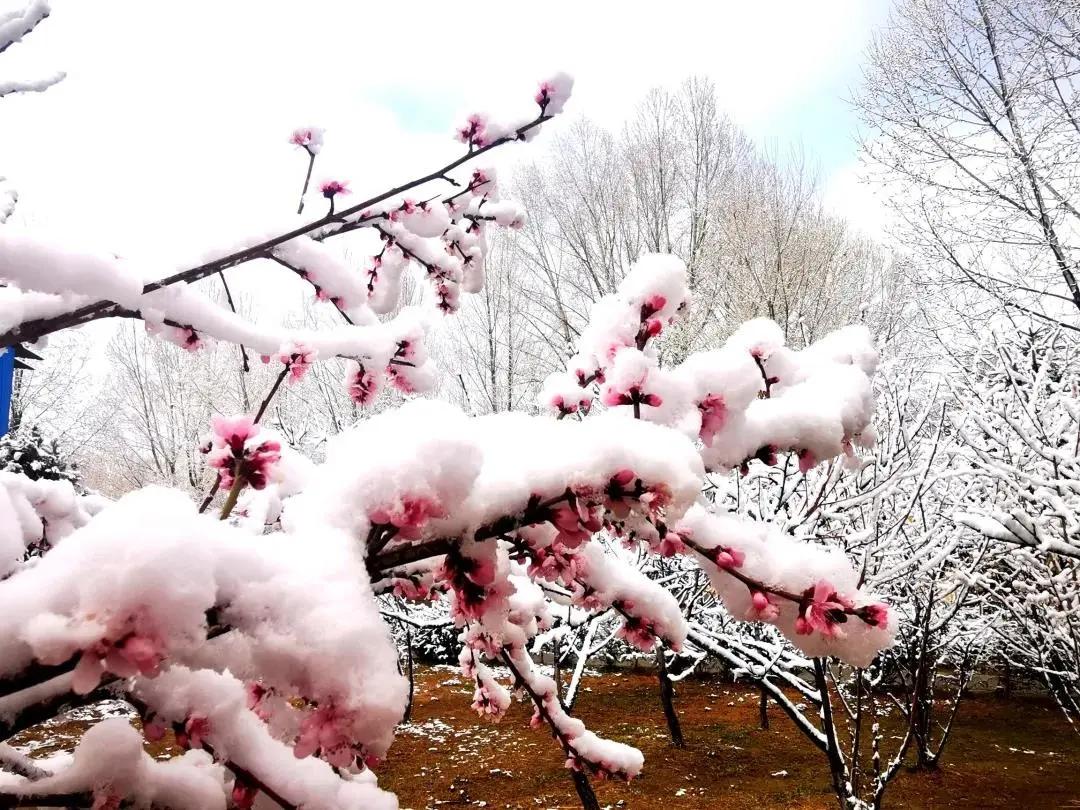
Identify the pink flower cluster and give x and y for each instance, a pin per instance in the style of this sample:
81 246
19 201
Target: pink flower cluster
473 133
325 732
196 730
136 652
332 188
363 386
308 138
576 522
631 395
564 407
764 605
243 794
484 705
470 579
554 562
409 516
823 609
298 357
415 589
234 450
713 417
637 631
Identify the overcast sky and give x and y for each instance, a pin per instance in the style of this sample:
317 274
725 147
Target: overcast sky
174 115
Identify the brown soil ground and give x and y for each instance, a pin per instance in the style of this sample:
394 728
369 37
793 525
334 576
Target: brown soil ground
1016 754
1003 754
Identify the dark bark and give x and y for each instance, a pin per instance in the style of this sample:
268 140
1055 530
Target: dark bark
411 673
584 791
667 699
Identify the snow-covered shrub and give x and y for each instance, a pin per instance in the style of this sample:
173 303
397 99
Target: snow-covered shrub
28 453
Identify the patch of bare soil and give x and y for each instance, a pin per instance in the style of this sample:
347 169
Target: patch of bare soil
1002 755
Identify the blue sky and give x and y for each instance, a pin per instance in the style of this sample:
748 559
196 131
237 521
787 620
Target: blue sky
819 117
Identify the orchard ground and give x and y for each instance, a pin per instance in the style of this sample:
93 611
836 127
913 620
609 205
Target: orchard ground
1003 754
1016 753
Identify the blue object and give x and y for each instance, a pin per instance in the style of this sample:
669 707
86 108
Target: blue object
7 377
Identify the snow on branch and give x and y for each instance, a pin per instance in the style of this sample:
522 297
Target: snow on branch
16 24
407 226
13 86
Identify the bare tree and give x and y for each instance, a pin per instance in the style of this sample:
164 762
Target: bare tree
974 114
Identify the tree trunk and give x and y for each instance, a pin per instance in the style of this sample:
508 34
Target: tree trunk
763 708
557 670
667 699
412 679
584 791
832 752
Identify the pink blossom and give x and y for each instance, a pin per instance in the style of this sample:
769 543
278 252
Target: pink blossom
559 403
412 589
764 605
822 609
727 557
409 516
584 378
243 795
575 525
324 732
483 704
234 451
807 461
153 728
656 497
467 580
298 357
612 396
670 545
638 633
587 598
472 132
189 339
331 188
196 730
134 654
233 431
482 571
256 699
309 138
713 417
875 615
552 562
106 800
652 305
363 386
399 378
479 180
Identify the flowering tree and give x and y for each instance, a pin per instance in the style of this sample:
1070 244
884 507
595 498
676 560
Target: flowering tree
257 637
